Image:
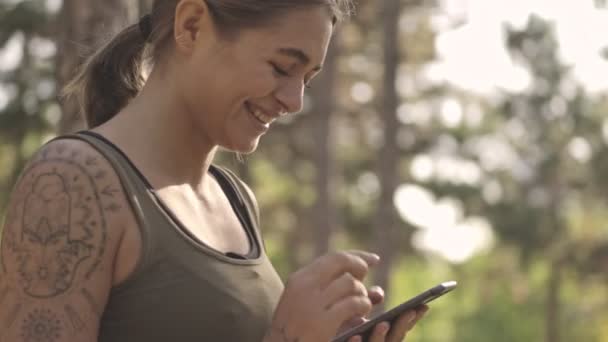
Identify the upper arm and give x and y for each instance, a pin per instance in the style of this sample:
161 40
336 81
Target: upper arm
65 220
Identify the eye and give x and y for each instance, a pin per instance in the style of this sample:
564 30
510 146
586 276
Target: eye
281 72
278 70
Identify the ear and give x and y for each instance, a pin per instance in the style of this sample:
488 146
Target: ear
192 21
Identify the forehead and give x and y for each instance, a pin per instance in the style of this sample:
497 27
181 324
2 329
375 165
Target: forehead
308 30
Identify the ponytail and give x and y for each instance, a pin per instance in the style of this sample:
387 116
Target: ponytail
110 78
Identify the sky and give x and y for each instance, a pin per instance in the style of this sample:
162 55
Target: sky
473 56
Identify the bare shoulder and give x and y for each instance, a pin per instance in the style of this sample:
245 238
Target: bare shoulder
66 218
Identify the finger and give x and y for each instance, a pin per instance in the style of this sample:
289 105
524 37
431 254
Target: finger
379 333
348 308
402 326
355 338
343 287
333 265
422 310
371 259
353 322
376 295
420 313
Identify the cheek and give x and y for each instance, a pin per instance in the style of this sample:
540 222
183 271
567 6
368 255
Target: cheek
259 81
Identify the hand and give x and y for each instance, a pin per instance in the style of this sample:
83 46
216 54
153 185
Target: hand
320 297
383 332
376 296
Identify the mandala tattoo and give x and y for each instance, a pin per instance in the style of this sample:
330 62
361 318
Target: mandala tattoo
58 229
41 326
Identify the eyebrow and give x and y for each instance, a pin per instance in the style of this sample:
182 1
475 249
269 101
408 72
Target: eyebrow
299 55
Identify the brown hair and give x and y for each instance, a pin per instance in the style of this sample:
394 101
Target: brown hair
113 75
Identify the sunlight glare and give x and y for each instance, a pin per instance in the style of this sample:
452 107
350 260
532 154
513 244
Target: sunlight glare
12 52
580 149
362 92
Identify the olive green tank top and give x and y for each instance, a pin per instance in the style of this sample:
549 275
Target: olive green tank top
182 289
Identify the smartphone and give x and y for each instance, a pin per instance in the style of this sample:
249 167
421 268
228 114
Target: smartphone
366 329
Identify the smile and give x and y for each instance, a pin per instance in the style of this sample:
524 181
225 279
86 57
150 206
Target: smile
259 115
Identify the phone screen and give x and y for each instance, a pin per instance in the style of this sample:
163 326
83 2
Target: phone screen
366 328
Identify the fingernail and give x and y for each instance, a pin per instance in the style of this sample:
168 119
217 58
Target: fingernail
384 328
377 289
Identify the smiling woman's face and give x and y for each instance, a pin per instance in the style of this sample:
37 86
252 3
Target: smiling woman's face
238 87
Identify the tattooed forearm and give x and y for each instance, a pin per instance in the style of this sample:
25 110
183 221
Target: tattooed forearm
41 325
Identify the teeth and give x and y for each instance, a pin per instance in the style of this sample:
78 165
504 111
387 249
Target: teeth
262 117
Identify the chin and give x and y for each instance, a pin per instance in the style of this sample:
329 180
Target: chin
243 147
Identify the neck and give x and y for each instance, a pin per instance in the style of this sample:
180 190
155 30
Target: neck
155 131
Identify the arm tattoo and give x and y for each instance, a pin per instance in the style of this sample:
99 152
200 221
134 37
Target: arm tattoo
88 297
60 226
74 318
10 319
41 325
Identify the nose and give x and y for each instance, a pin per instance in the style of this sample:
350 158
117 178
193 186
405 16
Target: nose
291 96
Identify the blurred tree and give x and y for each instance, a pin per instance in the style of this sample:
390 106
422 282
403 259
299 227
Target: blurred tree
399 52
386 218
145 6
29 111
323 94
554 152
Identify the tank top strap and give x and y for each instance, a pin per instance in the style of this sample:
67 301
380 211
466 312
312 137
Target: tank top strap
243 197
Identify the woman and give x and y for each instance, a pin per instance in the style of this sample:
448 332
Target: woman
128 232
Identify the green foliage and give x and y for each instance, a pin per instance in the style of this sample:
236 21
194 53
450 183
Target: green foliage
26 119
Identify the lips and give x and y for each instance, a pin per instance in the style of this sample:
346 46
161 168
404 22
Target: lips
260 126
260 115
263 118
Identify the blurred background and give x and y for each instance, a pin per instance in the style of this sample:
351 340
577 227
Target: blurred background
458 139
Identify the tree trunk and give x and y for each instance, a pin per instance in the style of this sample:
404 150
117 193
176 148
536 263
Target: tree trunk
145 6
18 133
324 209
386 215
553 305
85 24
